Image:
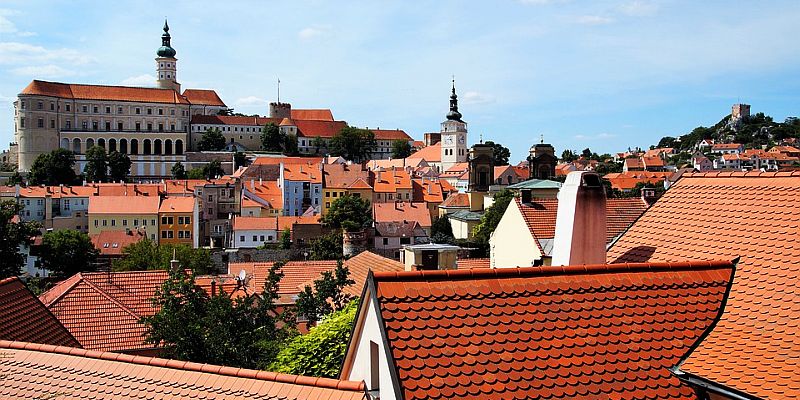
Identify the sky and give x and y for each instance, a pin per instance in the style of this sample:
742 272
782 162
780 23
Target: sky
607 75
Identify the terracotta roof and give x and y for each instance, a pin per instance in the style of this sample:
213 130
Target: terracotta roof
390 134
255 223
402 211
629 180
323 129
726 146
24 318
99 92
203 97
754 347
287 122
359 267
289 221
177 204
456 170
324 114
589 331
652 161
102 310
286 160
391 181
456 200
303 172
233 120
267 191
540 215
523 173
398 229
447 187
342 176
428 191
124 189
431 153
359 184
295 274
111 243
43 371
123 205
470 263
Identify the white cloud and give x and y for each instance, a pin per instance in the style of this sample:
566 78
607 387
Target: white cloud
7 26
639 8
251 101
14 53
476 98
596 137
593 20
310 33
43 71
141 80
4 99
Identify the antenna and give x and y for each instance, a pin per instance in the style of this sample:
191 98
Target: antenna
279 90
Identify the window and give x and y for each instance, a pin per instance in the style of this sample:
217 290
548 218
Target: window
138 110
105 223
161 127
210 198
108 110
160 111
172 112
85 109
108 126
40 123
85 125
23 105
68 125
269 238
187 234
149 127
153 222
144 222
113 222
170 220
255 238
262 238
241 238
66 204
187 220
96 222
52 124
180 234
136 222
39 105
119 126
124 222
68 107
52 106
138 126
374 370
149 111
94 109
163 234
405 240
163 220
385 241
94 125
22 122
327 204
119 110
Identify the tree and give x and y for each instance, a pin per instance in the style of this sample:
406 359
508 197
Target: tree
96 169
196 173
191 325
67 252
321 351
327 247
492 216
442 231
500 153
401 148
178 171
212 140
13 233
568 156
318 144
15 179
348 212
290 145
327 296
271 139
666 141
239 160
147 255
213 169
286 239
53 168
119 165
353 144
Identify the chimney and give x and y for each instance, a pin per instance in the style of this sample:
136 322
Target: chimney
174 264
253 185
580 221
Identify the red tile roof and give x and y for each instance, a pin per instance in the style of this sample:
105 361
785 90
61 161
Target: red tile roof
99 92
629 180
431 153
255 223
295 274
391 181
313 114
177 204
470 263
303 172
203 97
590 331
267 191
342 176
43 371
755 216
306 127
456 200
428 191
323 129
123 205
289 221
390 134
726 146
359 267
102 310
402 211
24 318
111 243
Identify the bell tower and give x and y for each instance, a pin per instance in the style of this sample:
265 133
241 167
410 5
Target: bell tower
166 63
454 135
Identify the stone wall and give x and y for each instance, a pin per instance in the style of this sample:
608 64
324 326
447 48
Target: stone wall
221 258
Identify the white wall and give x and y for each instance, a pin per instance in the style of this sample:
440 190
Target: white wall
512 244
248 234
360 369
462 229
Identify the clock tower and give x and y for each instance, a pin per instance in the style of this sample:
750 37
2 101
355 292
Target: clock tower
454 135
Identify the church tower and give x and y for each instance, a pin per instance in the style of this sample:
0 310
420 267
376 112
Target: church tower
167 64
454 135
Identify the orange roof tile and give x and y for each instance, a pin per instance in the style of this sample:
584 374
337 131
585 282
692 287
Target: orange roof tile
470 263
456 200
267 191
324 129
428 191
726 146
391 181
342 176
402 211
99 92
431 153
290 220
390 134
754 346
303 172
124 189
589 331
313 114
629 180
359 184
24 318
295 274
203 97
359 267
522 173
40 371
270 160
255 223
111 243
123 205
102 310
447 187
178 204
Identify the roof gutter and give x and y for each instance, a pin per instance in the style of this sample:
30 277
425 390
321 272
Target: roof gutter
710 386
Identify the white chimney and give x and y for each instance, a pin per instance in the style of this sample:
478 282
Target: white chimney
580 221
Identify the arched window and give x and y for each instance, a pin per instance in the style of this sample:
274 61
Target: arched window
157 146
76 146
102 143
89 143
179 147
112 145
65 143
134 146
168 147
123 146
146 147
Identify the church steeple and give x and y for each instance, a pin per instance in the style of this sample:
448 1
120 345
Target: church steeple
166 63
454 115
166 49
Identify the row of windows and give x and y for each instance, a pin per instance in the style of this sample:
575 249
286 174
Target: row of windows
181 220
95 109
449 152
104 222
256 238
171 235
390 196
137 126
148 146
203 128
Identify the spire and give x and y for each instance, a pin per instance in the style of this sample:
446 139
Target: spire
454 115
166 49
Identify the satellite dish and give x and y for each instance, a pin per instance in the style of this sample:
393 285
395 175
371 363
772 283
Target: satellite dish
242 275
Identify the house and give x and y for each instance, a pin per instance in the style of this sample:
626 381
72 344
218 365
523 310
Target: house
40 371
179 218
392 185
453 203
432 193
24 318
702 163
463 222
252 232
390 237
402 211
261 198
632 164
302 228
120 213
457 176
111 243
651 164
752 350
705 145
727 148
587 331
302 187
342 179
728 161
506 175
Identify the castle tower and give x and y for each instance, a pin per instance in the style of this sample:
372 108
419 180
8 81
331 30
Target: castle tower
454 135
167 64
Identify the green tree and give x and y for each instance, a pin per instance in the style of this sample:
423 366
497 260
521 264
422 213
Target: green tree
239 160
353 144
286 239
348 212
96 169
401 148
119 165
213 169
67 252
318 144
326 296
327 247
500 153
492 216
53 168
321 351
587 153
290 145
442 231
12 235
196 173
212 140
147 255
15 179
178 171
271 139
568 156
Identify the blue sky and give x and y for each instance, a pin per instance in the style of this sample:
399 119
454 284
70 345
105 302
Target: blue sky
600 74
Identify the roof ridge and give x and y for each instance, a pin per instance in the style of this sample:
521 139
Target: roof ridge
551 270
741 174
92 84
111 298
327 383
68 285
